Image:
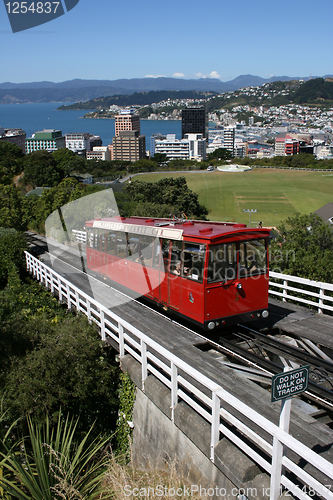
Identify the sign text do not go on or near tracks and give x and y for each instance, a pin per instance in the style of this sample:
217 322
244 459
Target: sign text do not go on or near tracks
291 383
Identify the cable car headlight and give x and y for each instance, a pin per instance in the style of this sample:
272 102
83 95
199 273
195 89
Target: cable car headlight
264 314
238 285
211 325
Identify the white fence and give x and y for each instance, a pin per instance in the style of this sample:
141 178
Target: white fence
80 236
314 290
200 393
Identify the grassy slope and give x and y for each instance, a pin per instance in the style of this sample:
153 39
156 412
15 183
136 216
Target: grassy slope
276 194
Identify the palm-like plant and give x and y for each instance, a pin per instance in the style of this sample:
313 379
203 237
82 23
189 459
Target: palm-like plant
49 464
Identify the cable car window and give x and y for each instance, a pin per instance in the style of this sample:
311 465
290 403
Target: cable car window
103 241
194 259
133 246
176 257
146 250
121 245
111 243
165 255
222 263
94 238
252 258
156 253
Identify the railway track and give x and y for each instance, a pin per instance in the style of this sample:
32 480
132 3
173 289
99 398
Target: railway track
258 356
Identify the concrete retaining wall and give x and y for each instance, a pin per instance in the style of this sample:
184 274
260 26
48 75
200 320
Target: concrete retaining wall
156 439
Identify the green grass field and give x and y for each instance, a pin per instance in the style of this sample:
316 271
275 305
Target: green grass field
276 194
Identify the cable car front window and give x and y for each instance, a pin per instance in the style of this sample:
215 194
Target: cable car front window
222 264
194 259
252 258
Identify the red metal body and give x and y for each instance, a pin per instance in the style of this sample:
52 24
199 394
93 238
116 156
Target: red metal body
211 273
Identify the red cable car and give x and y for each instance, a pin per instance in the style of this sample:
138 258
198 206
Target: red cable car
211 273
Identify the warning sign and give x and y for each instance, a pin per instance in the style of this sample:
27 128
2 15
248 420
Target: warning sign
287 384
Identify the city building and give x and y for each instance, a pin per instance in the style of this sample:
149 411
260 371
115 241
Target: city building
291 146
229 139
153 138
14 135
99 153
126 120
78 142
195 121
94 141
197 146
279 149
173 148
48 139
129 145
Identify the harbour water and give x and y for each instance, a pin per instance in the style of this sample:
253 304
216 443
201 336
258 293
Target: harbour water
34 117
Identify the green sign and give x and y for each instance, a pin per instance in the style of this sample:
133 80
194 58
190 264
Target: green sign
291 383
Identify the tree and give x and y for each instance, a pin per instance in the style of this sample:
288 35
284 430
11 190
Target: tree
10 207
11 161
67 161
168 191
12 247
41 169
220 154
160 158
304 248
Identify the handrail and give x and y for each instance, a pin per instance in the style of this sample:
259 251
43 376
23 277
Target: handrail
208 397
281 282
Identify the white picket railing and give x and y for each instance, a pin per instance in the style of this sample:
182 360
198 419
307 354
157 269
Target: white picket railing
80 236
202 394
315 290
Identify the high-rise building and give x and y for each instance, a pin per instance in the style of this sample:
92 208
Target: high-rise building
229 139
126 120
195 121
129 145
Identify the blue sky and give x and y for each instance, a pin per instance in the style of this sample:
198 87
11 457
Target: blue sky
107 39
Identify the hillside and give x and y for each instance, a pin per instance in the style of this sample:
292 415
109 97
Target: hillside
317 92
137 98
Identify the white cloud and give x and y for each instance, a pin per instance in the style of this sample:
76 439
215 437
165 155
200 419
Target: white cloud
178 75
214 74
154 76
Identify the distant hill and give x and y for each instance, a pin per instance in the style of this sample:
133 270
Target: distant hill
317 92
84 90
138 98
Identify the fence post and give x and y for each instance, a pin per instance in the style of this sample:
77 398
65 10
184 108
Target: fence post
68 296
215 429
174 389
285 292
321 300
102 320
59 289
121 341
144 363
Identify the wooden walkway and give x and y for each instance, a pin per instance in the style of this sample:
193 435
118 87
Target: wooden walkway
298 321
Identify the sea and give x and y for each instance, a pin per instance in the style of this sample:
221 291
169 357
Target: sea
34 117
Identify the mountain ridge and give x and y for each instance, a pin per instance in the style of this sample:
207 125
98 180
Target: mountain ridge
79 90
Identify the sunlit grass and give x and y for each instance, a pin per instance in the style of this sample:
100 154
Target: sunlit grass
276 194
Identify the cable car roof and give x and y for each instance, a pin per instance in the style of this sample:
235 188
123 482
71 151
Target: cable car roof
175 228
